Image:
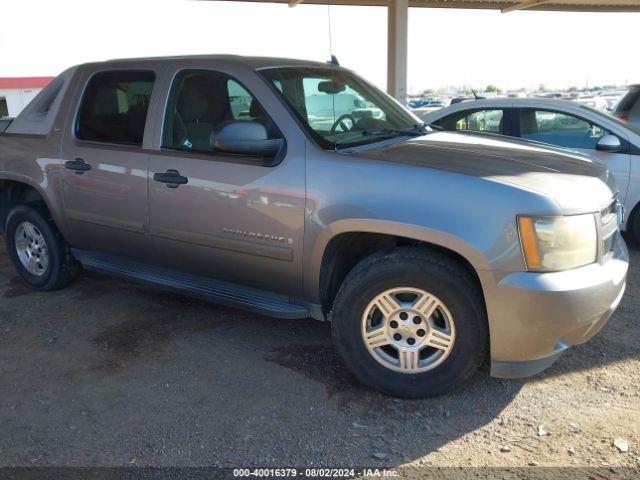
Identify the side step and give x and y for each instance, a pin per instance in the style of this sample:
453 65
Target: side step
223 293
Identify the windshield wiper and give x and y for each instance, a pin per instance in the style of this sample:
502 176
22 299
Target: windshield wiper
418 129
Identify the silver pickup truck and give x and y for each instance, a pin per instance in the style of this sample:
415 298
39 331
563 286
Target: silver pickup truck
296 189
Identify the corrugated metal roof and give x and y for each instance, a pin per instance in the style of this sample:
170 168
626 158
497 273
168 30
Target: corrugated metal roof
25 82
550 5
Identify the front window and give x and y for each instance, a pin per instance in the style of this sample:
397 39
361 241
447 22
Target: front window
338 108
559 129
200 102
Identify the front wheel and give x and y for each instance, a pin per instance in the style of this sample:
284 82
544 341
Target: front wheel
410 323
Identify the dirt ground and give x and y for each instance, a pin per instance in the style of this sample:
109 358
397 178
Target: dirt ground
112 373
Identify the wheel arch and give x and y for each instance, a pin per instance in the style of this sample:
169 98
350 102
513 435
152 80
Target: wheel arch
18 190
346 242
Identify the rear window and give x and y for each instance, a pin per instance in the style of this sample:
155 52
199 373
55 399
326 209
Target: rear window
490 120
628 101
114 107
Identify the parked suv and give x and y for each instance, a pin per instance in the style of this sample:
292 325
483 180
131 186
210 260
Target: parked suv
628 108
216 176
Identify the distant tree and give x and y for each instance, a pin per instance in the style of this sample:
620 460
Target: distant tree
573 89
542 88
492 89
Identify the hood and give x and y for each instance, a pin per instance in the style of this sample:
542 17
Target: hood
575 181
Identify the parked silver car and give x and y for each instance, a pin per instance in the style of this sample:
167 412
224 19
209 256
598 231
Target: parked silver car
561 123
227 178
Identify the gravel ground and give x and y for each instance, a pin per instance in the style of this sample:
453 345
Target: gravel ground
111 373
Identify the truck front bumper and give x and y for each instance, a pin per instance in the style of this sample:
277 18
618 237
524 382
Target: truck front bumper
534 317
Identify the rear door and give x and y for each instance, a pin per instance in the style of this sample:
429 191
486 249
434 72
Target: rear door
105 175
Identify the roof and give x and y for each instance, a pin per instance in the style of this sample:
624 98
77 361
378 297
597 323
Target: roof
25 82
505 102
247 61
503 5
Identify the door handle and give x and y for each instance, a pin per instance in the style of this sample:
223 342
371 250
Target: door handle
171 178
78 165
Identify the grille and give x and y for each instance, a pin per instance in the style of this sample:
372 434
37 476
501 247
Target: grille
608 244
609 221
609 213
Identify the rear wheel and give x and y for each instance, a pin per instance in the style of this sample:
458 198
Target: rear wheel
38 251
410 323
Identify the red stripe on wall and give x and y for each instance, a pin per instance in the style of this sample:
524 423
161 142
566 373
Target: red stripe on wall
25 82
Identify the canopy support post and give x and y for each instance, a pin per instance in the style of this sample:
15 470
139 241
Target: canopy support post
398 32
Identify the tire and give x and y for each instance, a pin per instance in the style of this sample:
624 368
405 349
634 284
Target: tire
59 269
633 225
460 314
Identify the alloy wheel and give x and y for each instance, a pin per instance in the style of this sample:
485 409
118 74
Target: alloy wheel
408 330
32 249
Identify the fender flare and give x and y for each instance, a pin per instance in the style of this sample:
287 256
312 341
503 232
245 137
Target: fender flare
56 214
420 233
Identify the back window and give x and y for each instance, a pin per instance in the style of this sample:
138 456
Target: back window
114 107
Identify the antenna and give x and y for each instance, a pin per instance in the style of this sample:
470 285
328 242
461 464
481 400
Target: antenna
331 55
475 95
333 62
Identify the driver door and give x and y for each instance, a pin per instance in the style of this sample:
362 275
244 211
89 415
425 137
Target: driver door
235 217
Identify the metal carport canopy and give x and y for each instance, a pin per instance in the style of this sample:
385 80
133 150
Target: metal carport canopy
398 13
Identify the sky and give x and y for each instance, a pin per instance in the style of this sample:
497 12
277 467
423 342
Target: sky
446 47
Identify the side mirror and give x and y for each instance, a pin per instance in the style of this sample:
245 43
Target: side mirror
609 143
243 137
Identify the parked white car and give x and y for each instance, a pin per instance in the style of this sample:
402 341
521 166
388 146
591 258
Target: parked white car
564 124
613 97
593 101
428 106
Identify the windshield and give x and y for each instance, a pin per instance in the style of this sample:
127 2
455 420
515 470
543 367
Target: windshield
339 109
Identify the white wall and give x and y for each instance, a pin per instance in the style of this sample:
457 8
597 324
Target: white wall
18 98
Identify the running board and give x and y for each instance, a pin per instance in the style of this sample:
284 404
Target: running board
215 291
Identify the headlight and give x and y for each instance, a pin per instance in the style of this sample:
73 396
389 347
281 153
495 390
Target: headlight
558 243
